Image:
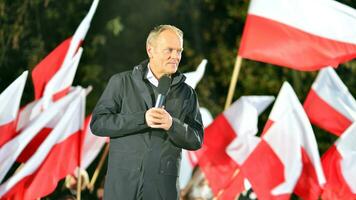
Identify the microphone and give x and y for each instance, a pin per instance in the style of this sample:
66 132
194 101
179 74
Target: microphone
163 86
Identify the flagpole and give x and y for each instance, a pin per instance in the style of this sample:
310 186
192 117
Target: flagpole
233 81
98 168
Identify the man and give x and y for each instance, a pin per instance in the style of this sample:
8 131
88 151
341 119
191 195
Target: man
146 142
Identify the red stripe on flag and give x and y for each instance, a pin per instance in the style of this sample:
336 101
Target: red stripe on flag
307 186
265 171
270 41
7 132
213 159
336 186
324 116
32 147
45 70
60 94
61 161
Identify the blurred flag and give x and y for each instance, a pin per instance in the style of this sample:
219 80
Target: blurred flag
193 78
287 157
61 55
12 149
297 33
10 100
56 157
329 104
339 164
238 120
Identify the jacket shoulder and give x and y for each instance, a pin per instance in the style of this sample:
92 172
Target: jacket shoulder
122 75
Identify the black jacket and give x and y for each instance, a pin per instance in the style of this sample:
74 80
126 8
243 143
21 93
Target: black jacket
142 157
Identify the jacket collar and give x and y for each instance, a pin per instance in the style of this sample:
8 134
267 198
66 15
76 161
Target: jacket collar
139 74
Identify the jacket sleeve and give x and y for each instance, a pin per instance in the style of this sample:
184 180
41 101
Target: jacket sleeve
107 119
188 134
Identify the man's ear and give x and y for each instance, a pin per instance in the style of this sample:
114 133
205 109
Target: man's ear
149 50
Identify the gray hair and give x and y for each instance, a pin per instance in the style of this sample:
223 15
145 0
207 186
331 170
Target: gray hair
159 29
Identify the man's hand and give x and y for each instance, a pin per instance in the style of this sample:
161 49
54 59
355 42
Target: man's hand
158 118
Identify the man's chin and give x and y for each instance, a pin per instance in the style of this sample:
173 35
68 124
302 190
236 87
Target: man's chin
172 69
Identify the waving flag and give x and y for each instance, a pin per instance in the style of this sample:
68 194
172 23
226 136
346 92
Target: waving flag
18 144
62 55
10 102
238 120
287 155
339 164
329 104
40 174
297 33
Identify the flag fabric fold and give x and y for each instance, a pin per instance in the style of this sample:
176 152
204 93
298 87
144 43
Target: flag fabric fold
19 143
238 120
297 33
339 164
61 55
10 100
279 154
40 174
193 78
329 104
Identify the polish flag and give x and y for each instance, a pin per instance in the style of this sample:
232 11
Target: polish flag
10 102
287 158
10 151
238 120
32 147
329 104
61 55
57 156
339 164
61 81
297 33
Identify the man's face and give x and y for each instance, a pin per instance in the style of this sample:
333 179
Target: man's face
165 53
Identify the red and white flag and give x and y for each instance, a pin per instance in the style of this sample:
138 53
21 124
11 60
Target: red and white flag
13 148
329 104
10 100
238 120
61 55
58 86
287 158
56 157
339 164
297 33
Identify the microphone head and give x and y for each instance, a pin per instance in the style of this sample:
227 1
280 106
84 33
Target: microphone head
163 84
